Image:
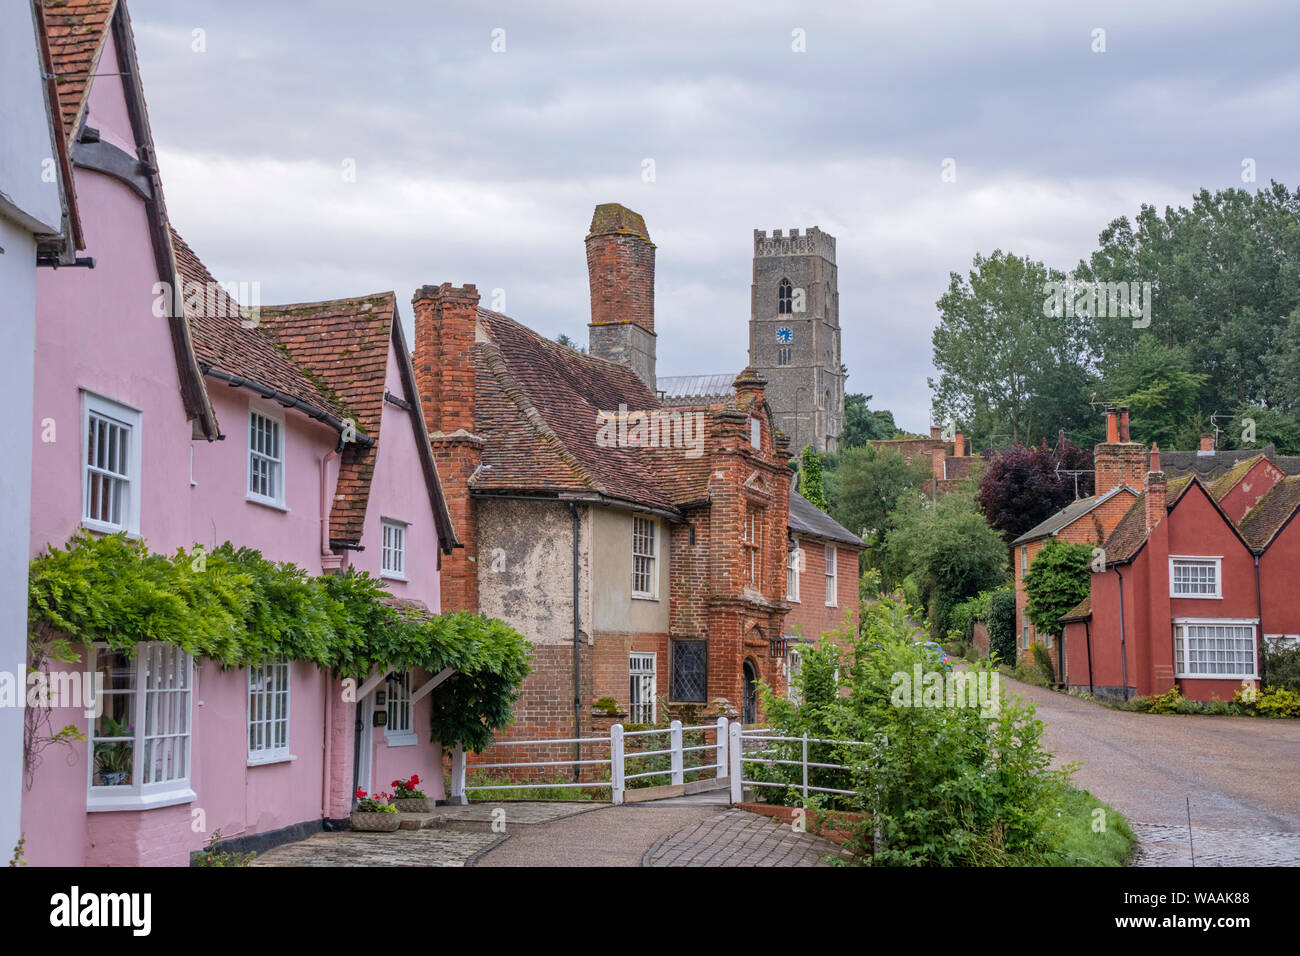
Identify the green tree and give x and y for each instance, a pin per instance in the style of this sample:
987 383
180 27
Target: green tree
862 425
866 486
1000 357
810 481
947 548
1268 426
1161 391
1058 579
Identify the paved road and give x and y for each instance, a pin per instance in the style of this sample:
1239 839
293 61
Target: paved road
1241 774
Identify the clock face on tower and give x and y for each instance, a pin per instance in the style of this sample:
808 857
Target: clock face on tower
784 335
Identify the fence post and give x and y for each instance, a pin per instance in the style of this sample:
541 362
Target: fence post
805 768
458 776
734 751
675 735
722 747
616 769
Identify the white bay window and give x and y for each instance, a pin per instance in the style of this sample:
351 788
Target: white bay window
140 739
1215 648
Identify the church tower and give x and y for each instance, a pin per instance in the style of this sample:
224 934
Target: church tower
794 335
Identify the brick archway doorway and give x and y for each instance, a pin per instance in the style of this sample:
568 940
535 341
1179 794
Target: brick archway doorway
749 676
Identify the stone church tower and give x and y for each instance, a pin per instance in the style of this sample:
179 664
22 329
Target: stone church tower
794 335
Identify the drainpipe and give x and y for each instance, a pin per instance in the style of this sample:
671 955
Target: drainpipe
1123 653
577 660
1087 636
325 551
327 763
1259 629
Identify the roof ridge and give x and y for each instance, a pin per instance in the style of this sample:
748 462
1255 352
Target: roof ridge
352 298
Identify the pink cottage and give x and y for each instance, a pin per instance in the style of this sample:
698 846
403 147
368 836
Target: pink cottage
297 432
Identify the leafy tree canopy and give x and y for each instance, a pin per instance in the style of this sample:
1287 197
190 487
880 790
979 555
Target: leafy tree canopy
1022 487
1059 578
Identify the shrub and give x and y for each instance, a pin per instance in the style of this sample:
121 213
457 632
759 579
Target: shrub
1002 624
1043 661
943 785
1282 666
1166 703
211 856
1270 702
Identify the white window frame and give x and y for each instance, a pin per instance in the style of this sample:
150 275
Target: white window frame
752 541
392 541
274 415
832 576
1181 650
1278 642
261 704
793 667
1215 560
398 686
175 706
643 683
794 565
1024 559
640 522
122 416
755 433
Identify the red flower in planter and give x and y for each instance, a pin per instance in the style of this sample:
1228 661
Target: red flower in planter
415 779
360 793
396 784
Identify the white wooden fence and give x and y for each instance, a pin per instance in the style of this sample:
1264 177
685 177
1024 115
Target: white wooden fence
767 756
617 775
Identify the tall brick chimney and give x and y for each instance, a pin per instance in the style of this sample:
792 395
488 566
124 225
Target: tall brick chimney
446 324
1117 460
1207 444
621 271
1153 485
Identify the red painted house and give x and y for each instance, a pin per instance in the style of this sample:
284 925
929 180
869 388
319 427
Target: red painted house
1196 576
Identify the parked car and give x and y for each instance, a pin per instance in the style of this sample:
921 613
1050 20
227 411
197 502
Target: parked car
936 653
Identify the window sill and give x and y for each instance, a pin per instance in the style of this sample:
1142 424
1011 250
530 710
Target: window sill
390 576
402 740
792 600
1232 677
267 503
1197 597
105 803
265 761
99 527
644 597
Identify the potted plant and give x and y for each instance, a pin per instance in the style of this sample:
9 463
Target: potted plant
408 799
113 758
371 814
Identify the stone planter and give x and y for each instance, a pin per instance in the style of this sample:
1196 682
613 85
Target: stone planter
380 822
413 804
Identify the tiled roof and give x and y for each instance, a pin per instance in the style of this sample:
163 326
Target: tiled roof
1129 535
343 344
807 519
76 30
222 342
1080 612
332 356
1262 523
1068 515
1221 485
1212 465
537 408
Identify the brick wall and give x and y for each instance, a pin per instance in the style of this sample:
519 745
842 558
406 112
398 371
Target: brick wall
810 617
446 320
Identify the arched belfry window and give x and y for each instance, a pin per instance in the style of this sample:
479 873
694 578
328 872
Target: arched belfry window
784 297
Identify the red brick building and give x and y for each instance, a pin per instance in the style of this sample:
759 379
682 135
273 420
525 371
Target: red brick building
641 549
1118 465
1198 574
822 577
949 461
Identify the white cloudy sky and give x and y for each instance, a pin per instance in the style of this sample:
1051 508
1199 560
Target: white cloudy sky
483 167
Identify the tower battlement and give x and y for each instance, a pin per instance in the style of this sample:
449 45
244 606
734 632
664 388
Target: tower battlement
791 243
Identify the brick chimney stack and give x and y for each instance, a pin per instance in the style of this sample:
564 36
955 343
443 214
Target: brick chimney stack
958 446
1207 443
1153 485
621 273
1118 460
446 329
